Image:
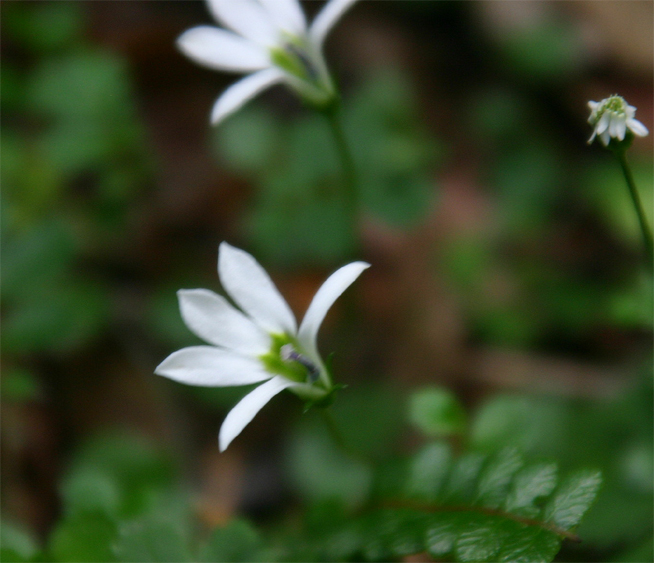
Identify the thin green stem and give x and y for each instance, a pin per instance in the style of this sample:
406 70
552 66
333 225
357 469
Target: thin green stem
350 179
642 219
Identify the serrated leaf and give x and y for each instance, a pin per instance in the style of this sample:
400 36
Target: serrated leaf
428 471
393 533
442 531
481 539
530 545
573 498
496 477
460 487
530 484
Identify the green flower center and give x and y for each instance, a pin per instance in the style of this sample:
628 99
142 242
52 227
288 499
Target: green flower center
294 59
614 104
294 367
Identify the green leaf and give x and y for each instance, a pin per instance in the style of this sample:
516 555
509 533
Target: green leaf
460 488
530 484
442 531
237 541
530 545
393 533
472 509
496 477
437 412
572 499
151 541
118 474
428 471
83 537
90 489
16 543
481 539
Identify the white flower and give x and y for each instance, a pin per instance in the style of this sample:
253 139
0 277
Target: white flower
260 342
271 40
612 118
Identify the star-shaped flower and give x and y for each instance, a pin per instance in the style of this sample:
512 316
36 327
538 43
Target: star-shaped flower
260 342
271 40
612 118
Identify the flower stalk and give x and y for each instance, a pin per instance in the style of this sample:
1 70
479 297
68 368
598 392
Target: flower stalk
350 189
640 212
614 124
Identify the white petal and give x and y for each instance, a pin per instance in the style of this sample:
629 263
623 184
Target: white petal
326 19
592 105
622 128
637 128
333 287
242 91
212 318
208 366
603 123
615 126
287 14
605 137
239 417
222 50
247 18
248 284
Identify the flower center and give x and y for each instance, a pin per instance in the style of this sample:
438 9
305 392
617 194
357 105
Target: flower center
293 58
290 354
284 359
613 104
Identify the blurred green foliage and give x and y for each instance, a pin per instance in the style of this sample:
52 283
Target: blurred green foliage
299 215
76 165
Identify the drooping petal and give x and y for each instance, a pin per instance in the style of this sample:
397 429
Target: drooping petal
212 318
248 284
617 126
327 18
247 18
637 128
242 91
287 15
240 416
603 123
209 366
605 137
333 287
221 50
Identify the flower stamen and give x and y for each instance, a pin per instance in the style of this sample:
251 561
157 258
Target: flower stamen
289 354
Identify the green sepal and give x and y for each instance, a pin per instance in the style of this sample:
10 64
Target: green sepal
325 401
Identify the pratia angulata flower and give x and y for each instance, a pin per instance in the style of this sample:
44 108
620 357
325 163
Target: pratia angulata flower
269 39
613 118
259 342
